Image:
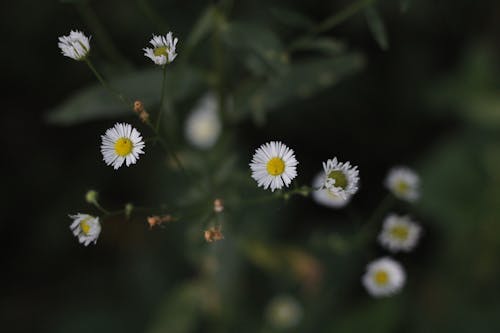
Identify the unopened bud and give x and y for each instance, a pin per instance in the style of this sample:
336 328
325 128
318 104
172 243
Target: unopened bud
128 210
156 220
218 206
91 197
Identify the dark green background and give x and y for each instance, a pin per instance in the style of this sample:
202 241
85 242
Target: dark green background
430 101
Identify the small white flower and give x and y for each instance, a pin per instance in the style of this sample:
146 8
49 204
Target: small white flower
163 50
340 178
274 165
203 125
384 277
324 196
76 45
404 183
284 312
86 227
121 143
399 233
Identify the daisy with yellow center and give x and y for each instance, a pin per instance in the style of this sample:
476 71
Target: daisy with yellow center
86 228
121 144
163 50
384 277
324 196
273 165
399 233
404 183
341 179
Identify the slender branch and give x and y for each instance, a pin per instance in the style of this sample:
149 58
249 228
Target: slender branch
162 98
106 85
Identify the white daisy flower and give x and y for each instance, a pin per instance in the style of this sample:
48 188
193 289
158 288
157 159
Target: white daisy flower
76 45
384 277
340 178
399 233
404 183
121 143
273 165
324 196
163 50
203 125
86 227
284 312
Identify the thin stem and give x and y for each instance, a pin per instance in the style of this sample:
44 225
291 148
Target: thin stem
162 98
377 215
105 84
106 212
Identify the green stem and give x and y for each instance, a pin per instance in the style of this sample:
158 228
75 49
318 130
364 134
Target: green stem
106 212
105 84
341 16
162 98
368 228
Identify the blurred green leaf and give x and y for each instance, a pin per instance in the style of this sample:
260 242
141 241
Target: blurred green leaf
325 45
94 102
472 90
291 18
302 80
261 48
377 27
201 28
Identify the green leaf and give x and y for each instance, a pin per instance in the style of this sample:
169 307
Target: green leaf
201 28
328 46
301 80
94 102
261 48
377 28
291 18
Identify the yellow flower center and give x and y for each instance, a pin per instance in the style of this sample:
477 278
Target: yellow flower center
400 232
161 51
123 146
275 166
84 225
381 278
339 177
402 187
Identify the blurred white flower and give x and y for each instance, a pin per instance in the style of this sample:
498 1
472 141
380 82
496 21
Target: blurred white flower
324 196
404 183
384 277
203 125
340 178
399 233
274 165
121 143
86 227
163 50
76 45
284 312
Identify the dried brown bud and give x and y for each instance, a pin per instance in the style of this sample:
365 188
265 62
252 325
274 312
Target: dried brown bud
158 220
218 206
138 107
141 112
213 234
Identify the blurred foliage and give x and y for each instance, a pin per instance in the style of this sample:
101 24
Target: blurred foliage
318 75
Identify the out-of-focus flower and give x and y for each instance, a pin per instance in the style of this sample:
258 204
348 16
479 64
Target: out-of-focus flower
76 45
404 183
340 178
384 277
121 143
86 228
399 233
203 125
284 312
324 196
163 50
274 165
